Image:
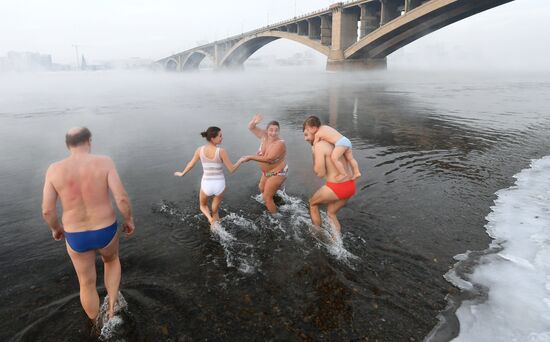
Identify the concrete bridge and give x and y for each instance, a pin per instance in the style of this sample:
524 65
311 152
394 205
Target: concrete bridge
353 35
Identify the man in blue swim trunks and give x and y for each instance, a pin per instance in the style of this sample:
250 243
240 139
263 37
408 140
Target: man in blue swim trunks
82 182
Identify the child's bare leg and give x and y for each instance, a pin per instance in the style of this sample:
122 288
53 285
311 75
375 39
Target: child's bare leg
353 163
336 154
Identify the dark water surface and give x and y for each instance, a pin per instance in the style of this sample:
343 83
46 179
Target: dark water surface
433 150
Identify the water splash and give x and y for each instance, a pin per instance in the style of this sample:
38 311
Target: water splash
240 221
115 328
238 254
294 219
238 234
338 250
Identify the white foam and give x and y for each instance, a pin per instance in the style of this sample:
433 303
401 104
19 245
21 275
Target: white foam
300 218
518 277
238 254
338 250
240 221
110 328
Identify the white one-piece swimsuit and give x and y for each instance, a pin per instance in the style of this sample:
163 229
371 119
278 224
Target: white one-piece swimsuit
213 180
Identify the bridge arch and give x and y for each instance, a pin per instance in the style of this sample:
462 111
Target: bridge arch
241 51
415 24
194 59
171 65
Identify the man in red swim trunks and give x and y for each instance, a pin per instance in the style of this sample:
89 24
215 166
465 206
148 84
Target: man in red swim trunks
334 194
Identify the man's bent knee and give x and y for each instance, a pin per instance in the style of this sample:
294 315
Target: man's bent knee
110 257
313 207
314 201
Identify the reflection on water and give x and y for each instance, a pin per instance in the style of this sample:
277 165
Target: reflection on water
433 150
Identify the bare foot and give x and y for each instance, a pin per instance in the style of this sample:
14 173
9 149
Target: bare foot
215 226
356 175
336 238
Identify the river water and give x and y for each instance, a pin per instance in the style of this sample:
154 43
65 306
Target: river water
434 150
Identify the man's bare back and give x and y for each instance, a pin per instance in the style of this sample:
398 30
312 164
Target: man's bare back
324 149
82 183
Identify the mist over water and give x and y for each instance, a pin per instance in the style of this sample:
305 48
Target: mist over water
434 148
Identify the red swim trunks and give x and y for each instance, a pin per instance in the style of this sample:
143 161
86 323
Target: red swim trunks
344 190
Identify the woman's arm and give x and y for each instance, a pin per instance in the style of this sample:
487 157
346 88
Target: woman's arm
272 157
260 133
227 162
190 165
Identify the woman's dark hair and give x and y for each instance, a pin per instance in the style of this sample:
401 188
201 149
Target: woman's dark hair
311 121
211 133
273 123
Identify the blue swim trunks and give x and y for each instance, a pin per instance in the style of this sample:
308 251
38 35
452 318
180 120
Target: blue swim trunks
343 141
91 239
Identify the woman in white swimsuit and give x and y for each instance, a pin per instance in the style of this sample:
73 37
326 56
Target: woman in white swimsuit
213 158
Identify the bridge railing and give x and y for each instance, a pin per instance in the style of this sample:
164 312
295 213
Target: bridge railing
302 16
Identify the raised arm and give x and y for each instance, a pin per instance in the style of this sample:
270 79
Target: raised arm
227 162
319 166
49 211
274 155
121 198
260 133
190 165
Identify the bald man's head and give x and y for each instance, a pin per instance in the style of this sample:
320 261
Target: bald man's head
77 136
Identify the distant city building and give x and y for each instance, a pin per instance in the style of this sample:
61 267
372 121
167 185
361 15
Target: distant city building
25 61
29 61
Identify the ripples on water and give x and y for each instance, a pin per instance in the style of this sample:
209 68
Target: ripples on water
434 151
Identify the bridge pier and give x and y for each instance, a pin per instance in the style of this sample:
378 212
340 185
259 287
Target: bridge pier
356 64
344 31
344 35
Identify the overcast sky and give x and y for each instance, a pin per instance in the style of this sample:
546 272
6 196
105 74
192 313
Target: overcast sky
513 35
